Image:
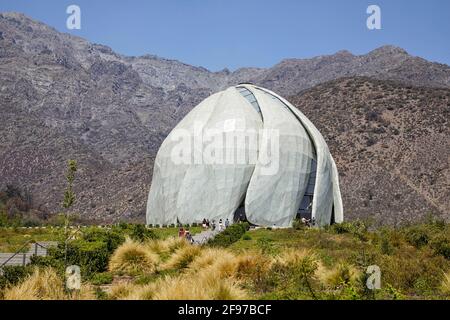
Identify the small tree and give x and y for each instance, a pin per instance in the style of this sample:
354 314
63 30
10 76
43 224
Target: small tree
69 195
306 271
68 201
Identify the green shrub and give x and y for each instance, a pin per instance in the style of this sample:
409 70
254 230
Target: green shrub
48 261
393 293
357 228
100 294
418 236
294 280
385 246
297 224
349 292
12 275
4 221
441 245
364 257
246 237
230 235
102 278
113 238
136 231
417 275
91 257
386 243
140 233
265 245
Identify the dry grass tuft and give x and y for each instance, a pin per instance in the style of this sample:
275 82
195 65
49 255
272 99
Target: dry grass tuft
291 257
121 291
180 288
143 292
445 285
206 285
343 274
206 259
253 266
174 243
133 258
219 288
157 246
86 292
225 265
45 284
220 261
182 257
209 275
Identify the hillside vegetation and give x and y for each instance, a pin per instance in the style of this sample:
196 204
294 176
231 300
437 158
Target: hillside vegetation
130 262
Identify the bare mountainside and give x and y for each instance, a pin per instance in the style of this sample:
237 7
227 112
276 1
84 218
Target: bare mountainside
391 145
62 97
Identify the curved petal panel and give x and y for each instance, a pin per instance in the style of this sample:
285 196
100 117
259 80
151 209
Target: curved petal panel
279 182
327 195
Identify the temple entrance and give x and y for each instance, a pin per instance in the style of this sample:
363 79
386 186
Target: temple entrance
332 220
239 214
305 209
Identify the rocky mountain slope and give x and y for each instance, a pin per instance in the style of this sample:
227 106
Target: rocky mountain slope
391 145
62 97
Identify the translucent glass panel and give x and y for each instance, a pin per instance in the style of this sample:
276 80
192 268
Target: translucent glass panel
312 178
250 97
305 209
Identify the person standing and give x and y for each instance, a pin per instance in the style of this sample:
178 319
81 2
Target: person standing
181 232
227 223
189 237
220 225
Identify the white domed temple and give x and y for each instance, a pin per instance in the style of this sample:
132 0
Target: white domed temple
244 153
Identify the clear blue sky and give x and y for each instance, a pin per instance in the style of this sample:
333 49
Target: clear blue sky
236 33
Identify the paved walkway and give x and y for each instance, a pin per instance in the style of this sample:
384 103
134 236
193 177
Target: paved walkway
204 236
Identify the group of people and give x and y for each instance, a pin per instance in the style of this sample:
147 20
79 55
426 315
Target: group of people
185 233
309 222
220 226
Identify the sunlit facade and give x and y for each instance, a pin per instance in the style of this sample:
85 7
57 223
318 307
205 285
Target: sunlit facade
244 153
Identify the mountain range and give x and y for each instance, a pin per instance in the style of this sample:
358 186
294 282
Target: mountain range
384 114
